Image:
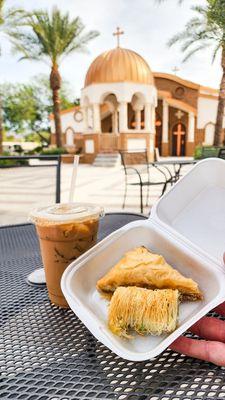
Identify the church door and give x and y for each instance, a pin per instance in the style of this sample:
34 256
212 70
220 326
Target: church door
178 141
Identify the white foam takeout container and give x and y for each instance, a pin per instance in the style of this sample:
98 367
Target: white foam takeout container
187 227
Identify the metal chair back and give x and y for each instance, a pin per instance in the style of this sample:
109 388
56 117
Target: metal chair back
157 155
222 153
128 158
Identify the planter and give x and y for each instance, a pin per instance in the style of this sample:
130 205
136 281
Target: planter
67 158
71 149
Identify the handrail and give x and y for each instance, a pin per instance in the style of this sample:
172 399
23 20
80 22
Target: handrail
56 157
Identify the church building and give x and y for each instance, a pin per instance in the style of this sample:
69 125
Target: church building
124 105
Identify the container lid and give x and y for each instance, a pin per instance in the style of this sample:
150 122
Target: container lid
194 209
64 213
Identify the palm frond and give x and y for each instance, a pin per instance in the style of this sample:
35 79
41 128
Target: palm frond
203 30
51 35
199 9
26 44
194 51
192 28
9 18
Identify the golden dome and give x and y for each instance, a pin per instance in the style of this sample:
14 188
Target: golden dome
119 65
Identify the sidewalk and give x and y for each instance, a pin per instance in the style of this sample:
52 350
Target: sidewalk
24 188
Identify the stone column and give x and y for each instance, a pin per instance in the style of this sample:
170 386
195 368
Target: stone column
123 117
190 145
148 117
153 119
138 120
165 129
85 111
89 113
115 117
96 118
113 122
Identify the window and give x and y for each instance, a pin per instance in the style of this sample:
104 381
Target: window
69 137
209 134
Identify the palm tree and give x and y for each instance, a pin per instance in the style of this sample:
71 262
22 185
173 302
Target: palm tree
8 20
206 29
50 38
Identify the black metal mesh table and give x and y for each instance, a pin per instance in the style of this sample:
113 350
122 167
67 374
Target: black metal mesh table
46 353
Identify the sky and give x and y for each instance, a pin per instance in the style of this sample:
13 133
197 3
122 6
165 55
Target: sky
147 26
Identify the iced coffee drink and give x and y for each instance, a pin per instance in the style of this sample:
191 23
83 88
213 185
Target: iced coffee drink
65 232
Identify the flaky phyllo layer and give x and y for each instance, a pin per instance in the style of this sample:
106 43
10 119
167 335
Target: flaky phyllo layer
141 268
143 310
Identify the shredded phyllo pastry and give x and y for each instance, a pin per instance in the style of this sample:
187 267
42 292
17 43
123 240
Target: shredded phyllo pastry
143 310
141 268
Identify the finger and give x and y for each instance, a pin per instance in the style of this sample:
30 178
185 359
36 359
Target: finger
213 352
210 328
220 309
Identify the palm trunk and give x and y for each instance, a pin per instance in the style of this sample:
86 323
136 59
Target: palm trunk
218 138
55 83
1 126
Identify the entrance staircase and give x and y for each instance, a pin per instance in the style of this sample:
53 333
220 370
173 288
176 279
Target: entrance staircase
107 160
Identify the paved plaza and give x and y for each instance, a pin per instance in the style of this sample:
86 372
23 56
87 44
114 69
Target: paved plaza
24 188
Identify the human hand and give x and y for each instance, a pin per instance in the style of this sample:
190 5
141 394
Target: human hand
212 330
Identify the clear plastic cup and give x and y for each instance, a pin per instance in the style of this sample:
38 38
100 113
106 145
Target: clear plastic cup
65 232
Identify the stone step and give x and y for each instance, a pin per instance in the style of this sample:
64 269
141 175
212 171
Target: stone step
107 160
102 161
103 165
105 155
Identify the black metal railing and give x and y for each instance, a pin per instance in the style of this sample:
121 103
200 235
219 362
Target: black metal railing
42 158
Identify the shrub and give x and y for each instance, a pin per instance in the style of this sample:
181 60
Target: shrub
11 163
198 152
202 152
35 151
54 151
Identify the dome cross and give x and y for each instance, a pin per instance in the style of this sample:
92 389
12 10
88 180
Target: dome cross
118 33
175 70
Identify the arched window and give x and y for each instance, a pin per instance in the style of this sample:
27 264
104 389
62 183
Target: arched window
209 134
109 113
69 137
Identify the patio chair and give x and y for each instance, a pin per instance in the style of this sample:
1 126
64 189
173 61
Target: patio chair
172 177
140 174
221 153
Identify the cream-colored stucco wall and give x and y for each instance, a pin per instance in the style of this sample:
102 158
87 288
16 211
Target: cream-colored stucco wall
68 121
207 110
124 91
